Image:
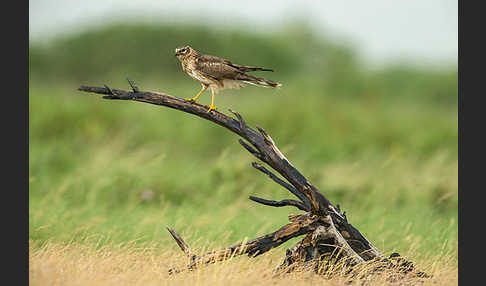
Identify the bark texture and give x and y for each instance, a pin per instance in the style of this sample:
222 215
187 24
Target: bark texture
328 236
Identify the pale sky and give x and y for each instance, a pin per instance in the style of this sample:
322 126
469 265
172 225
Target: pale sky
420 31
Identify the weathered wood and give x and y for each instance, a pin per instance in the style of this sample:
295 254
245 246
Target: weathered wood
276 179
252 247
133 85
324 243
182 244
327 232
281 203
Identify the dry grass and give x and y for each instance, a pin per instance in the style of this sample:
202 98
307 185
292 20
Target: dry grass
127 264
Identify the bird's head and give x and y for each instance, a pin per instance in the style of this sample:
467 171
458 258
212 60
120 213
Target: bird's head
183 51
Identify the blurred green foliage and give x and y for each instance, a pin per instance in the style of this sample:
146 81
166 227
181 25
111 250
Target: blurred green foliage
298 55
382 143
148 51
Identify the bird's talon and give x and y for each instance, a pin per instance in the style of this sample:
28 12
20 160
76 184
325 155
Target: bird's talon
190 99
211 107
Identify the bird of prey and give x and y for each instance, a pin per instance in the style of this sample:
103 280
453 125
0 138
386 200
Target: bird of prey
217 73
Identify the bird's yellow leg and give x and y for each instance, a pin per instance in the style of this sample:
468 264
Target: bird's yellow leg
193 99
212 107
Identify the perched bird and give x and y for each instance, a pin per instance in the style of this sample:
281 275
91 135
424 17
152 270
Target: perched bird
217 73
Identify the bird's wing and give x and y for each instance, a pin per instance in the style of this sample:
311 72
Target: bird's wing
216 67
248 68
209 58
241 68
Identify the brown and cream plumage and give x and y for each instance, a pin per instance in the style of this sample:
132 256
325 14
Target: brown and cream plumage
218 73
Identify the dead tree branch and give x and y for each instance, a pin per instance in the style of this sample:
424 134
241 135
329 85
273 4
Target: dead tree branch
326 230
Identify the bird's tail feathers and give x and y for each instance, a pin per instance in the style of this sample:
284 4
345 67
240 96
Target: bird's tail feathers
259 81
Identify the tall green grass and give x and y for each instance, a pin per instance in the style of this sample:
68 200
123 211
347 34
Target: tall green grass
381 144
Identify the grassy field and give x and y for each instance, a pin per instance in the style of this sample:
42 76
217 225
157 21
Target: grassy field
127 264
106 177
